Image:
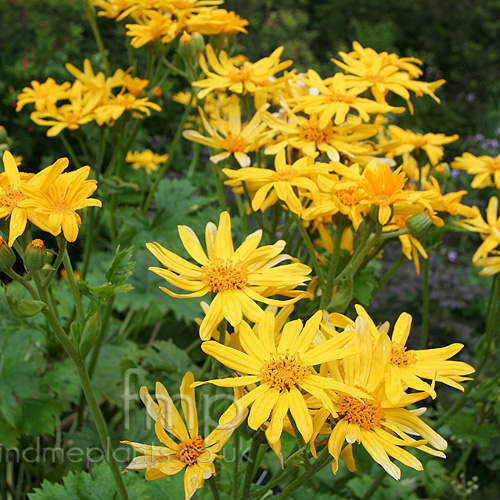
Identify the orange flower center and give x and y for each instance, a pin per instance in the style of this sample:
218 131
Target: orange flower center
284 371
401 357
347 197
223 275
494 164
190 450
312 133
62 207
366 413
286 174
240 75
349 99
10 197
234 143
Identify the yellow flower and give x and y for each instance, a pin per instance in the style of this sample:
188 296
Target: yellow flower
383 73
214 22
43 95
283 370
383 187
151 26
240 80
405 141
306 135
335 196
111 8
407 367
70 116
231 136
237 279
146 159
380 426
490 265
11 194
55 204
335 100
489 229
271 185
193 453
115 106
134 84
485 168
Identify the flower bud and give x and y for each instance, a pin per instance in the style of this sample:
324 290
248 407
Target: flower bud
419 225
186 48
35 255
7 256
442 173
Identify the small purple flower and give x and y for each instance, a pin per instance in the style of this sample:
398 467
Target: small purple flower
478 137
452 256
279 234
455 172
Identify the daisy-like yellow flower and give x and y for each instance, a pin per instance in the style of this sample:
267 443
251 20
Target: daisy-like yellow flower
490 265
11 194
271 185
489 229
134 84
337 195
486 169
305 134
215 22
186 450
96 84
230 135
237 279
449 202
383 187
380 426
282 369
55 204
240 80
383 73
43 95
146 159
405 141
110 8
408 367
335 100
115 107
72 116
151 26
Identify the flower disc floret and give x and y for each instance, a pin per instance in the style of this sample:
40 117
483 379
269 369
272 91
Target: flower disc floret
190 450
367 413
223 275
401 356
284 371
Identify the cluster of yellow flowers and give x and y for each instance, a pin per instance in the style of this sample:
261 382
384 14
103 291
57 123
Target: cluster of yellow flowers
342 379
91 97
365 162
165 20
48 199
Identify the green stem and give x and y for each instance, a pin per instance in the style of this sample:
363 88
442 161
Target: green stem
461 464
175 69
300 442
377 481
388 275
74 289
249 472
310 248
97 34
425 306
219 186
194 160
171 152
70 150
55 267
236 465
332 268
81 367
213 486
281 476
324 458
